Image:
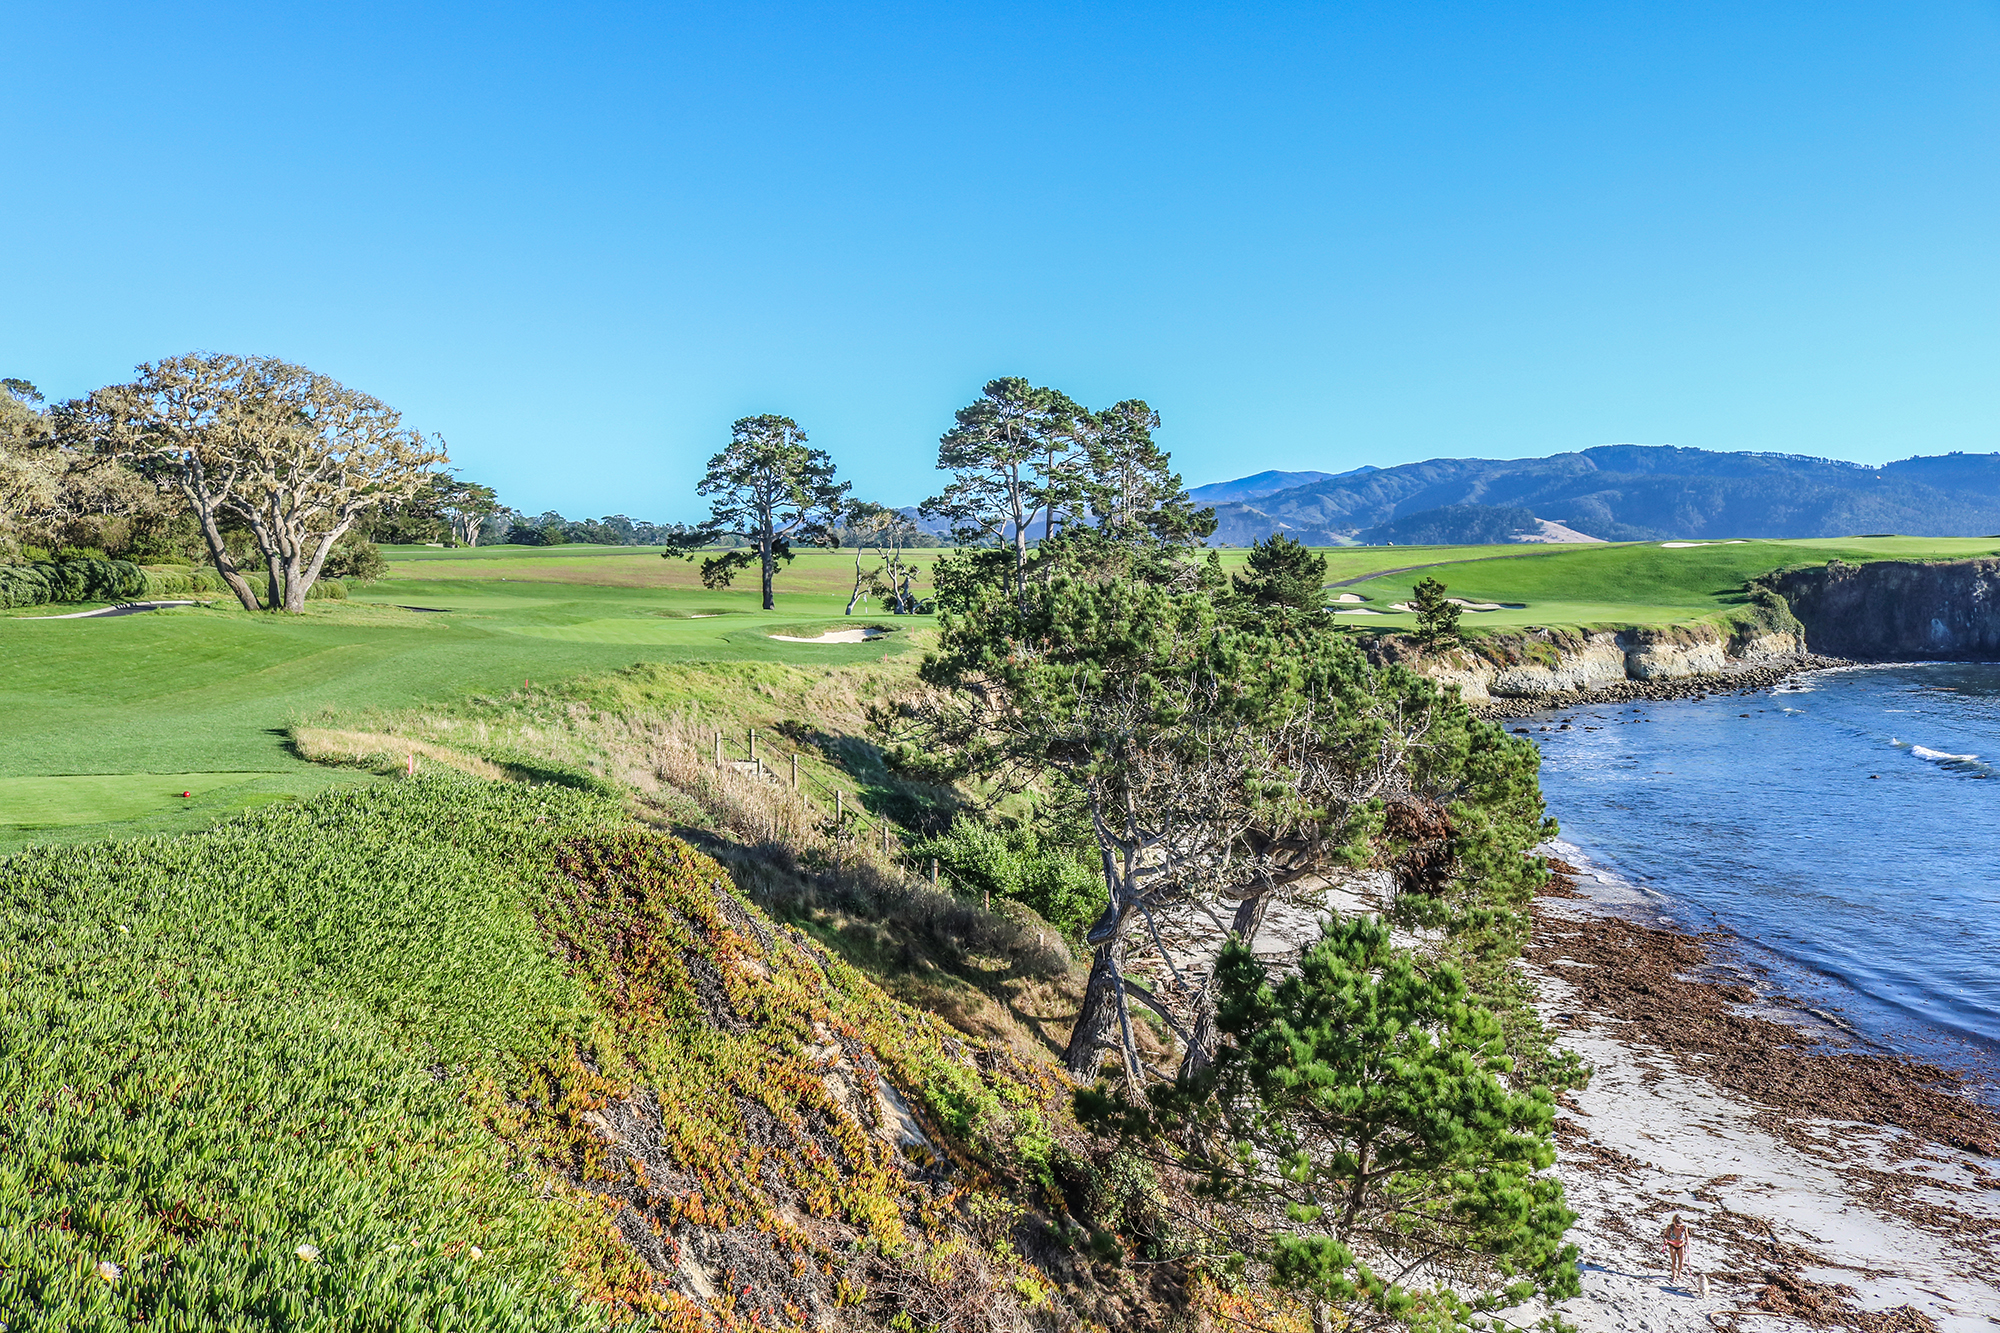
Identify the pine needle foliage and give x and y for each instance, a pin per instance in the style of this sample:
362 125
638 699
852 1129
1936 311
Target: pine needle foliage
1360 1135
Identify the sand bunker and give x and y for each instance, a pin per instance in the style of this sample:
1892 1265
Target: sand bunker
1358 611
835 636
1458 602
1350 597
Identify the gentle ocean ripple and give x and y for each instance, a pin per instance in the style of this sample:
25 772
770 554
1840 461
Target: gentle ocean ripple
1848 829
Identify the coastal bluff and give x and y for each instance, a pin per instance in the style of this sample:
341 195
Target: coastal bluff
1552 663
1897 610
1817 615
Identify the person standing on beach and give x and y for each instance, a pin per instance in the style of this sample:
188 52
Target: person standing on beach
1677 1247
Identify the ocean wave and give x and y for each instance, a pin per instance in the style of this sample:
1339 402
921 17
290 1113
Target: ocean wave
1956 763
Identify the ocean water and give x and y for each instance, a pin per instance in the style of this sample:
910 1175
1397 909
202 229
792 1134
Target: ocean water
1847 831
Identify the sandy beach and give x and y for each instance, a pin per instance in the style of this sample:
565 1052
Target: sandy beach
1822 1188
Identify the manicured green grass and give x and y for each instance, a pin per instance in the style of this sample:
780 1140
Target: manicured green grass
213 690
150 699
1636 583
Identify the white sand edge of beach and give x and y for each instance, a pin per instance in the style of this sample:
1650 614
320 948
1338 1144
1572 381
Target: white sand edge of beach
1691 1148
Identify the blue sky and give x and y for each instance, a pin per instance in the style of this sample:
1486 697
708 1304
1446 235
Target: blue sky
579 240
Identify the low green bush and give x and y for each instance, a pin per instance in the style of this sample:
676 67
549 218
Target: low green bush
1016 863
24 585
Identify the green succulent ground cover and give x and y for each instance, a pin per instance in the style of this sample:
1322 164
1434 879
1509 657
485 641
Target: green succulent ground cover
219 1048
334 1066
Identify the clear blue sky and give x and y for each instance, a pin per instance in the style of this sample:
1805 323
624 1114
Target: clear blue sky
578 240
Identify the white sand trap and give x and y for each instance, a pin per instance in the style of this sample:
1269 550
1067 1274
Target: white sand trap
1358 611
1350 597
1461 603
835 636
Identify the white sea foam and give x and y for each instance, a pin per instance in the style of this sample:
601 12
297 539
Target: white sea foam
1939 756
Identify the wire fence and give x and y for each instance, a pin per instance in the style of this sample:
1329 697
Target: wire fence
849 824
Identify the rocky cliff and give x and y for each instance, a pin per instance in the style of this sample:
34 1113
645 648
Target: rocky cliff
1897 610
1552 662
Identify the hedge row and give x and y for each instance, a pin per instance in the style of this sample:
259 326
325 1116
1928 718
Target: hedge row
85 579
92 579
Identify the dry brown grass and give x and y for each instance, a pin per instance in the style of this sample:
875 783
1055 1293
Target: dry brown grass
383 753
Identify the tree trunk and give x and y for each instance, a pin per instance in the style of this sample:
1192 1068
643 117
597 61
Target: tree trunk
1202 1040
218 551
1098 1017
768 566
1250 915
295 587
1103 1018
1201 1045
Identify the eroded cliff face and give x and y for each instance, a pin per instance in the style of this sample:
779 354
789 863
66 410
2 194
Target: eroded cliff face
1541 663
1898 610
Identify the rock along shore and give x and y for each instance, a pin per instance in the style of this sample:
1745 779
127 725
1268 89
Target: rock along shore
1734 678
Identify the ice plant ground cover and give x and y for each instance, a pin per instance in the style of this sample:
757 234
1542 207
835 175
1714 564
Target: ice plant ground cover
345 1063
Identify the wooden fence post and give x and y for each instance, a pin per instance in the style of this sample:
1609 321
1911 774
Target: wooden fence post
718 747
753 743
795 770
934 870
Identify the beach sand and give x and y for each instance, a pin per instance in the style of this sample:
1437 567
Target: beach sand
1703 1103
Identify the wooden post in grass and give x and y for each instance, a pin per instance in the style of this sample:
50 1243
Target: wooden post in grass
934 869
753 743
885 837
839 809
795 770
718 747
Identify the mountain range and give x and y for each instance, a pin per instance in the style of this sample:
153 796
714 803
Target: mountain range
1618 492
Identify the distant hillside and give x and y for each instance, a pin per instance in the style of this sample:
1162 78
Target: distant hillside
1624 492
1456 525
1264 483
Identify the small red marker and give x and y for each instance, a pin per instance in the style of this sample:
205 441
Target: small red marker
187 793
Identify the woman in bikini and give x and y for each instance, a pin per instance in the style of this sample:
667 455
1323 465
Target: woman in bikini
1677 1247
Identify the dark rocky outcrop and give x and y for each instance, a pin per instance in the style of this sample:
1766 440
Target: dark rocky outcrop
1898 610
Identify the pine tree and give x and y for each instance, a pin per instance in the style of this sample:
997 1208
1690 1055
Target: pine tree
1283 573
1358 1131
1437 615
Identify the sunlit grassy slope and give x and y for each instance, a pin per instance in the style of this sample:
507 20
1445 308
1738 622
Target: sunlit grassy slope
199 699
108 721
335 1066
1625 584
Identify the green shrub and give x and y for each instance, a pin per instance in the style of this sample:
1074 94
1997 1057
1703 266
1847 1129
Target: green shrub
355 559
84 579
23 585
1015 863
168 580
